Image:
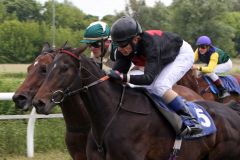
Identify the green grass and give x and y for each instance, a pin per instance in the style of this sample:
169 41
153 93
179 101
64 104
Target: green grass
9 82
49 133
48 136
53 155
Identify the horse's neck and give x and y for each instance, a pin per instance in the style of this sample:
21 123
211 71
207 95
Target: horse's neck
101 103
74 112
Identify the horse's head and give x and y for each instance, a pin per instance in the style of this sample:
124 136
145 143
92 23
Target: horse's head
35 76
194 81
190 80
61 75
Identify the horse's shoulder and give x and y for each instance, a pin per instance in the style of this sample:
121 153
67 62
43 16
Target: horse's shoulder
136 101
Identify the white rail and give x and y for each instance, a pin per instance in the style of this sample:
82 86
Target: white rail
31 122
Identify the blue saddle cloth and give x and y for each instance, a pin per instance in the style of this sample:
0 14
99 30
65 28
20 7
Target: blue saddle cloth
230 83
203 118
199 113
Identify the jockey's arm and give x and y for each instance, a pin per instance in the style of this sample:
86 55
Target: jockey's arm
211 65
196 56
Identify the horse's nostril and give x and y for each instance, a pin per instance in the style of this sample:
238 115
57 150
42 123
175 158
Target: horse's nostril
38 104
20 100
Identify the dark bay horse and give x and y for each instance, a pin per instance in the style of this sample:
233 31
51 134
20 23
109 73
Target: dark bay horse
124 123
72 108
199 85
75 116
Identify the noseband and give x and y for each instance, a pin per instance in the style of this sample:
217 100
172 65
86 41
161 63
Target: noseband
68 92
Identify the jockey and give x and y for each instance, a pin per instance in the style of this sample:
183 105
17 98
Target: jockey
217 62
97 36
165 58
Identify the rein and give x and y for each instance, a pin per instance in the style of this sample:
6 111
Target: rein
204 90
100 144
67 92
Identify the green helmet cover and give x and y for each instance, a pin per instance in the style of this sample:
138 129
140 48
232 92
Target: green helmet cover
96 31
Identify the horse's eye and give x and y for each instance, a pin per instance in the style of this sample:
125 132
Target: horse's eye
43 70
64 68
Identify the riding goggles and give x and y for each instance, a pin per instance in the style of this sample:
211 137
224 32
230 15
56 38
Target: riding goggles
203 46
96 44
123 44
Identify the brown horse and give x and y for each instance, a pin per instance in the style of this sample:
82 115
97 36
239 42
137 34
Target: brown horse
76 119
74 114
111 106
199 85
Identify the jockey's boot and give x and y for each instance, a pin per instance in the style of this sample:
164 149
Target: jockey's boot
194 127
222 91
190 125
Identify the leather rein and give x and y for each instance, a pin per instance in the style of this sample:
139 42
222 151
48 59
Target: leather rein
67 92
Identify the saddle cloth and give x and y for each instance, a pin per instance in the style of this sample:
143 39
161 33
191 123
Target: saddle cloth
198 112
175 120
230 83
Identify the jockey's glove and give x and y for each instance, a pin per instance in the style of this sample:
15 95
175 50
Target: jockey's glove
116 75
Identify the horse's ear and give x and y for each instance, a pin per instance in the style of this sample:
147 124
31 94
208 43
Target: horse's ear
81 49
65 45
46 47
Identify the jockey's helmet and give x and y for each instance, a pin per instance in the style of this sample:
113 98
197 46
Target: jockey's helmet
124 29
96 31
203 40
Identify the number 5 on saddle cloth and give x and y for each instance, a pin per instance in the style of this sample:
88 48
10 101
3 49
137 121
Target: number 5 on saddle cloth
176 121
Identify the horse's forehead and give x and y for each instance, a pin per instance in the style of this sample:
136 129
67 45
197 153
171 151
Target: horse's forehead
43 60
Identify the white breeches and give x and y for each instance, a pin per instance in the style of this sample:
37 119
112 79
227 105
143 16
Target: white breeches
220 68
172 72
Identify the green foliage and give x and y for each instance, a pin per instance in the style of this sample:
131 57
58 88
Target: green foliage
232 19
22 41
49 133
9 83
67 34
193 18
157 17
67 15
49 136
17 40
26 25
109 19
23 9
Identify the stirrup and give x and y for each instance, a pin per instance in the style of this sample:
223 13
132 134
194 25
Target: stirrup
189 131
225 94
185 132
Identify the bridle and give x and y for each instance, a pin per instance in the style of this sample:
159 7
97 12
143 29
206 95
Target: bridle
68 92
204 90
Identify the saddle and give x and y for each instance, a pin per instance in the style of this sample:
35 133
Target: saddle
230 83
175 120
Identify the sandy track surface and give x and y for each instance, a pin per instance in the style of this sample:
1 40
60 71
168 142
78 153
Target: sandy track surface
13 68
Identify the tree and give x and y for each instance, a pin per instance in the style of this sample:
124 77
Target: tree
232 19
192 18
156 17
17 40
23 9
67 15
